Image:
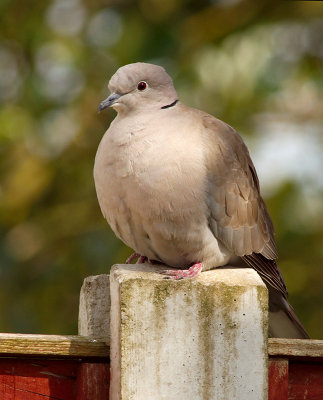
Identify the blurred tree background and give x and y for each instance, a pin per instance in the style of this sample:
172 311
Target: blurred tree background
255 64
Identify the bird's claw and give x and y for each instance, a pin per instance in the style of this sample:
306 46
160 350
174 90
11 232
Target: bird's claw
178 274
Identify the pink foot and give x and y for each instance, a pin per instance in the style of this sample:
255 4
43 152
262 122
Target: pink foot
192 272
140 259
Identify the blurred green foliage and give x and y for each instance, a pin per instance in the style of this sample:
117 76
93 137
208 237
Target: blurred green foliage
255 64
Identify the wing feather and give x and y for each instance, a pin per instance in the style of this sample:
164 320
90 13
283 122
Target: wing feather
238 215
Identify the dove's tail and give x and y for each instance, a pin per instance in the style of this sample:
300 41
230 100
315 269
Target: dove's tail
283 321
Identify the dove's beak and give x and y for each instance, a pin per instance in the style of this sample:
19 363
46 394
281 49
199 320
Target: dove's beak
109 101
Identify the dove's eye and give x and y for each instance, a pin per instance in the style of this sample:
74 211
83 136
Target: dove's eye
142 85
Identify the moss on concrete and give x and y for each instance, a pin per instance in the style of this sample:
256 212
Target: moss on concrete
226 298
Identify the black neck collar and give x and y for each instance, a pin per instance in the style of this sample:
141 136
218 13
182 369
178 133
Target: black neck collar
170 105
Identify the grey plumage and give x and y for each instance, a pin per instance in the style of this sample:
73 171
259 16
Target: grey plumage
178 185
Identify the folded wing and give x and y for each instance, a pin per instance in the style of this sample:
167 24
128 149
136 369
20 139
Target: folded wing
238 215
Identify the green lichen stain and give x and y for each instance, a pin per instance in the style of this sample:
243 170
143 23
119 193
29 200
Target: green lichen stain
207 302
262 296
226 298
162 291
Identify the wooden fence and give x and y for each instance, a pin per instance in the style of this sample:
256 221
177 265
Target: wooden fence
40 367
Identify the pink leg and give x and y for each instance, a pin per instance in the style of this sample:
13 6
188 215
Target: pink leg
140 259
192 272
132 257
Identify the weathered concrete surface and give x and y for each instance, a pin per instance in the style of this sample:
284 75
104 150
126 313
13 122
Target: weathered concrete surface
201 339
94 308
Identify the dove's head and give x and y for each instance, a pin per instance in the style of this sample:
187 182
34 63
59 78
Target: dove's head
139 86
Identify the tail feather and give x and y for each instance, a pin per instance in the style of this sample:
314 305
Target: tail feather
283 321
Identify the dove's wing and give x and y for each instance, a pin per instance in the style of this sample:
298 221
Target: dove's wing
238 215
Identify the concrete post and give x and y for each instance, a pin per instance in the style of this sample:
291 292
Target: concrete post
201 339
94 308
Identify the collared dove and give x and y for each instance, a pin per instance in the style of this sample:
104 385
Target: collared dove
178 186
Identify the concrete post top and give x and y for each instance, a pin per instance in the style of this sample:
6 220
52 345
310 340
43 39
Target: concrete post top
229 276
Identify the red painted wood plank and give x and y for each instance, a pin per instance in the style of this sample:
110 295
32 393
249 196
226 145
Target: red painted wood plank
305 381
37 380
278 379
93 381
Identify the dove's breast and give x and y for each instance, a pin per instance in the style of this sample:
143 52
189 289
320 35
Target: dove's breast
152 190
